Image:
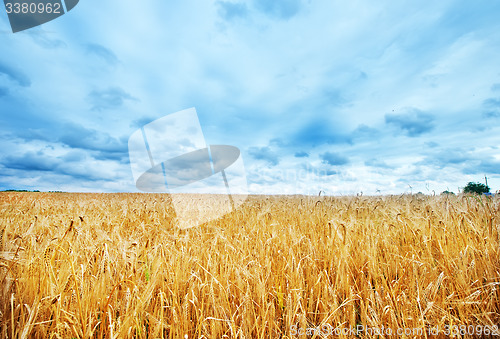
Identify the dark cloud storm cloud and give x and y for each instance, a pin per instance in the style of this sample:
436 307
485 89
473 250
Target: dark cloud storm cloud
44 39
29 134
377 163
231 10
138 123
31 161
488 166
414 123
491 108
280 9
466 161
74 156
334 159
102 52
14 75
365 132
97 144
320 132
264 153
71 164
448 157
431 144
80 137
301 154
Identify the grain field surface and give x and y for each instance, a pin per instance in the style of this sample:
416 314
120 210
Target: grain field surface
116 266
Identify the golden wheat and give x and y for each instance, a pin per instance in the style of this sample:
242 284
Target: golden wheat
115 266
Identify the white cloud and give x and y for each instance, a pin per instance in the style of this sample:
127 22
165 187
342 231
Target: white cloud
299 77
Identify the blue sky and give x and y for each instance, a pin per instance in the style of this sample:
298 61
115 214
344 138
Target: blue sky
343 97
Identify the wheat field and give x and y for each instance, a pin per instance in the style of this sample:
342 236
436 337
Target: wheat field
116 266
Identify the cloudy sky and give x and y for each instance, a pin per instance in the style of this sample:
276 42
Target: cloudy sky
340 96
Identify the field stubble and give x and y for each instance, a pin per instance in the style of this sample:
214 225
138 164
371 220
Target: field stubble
114 265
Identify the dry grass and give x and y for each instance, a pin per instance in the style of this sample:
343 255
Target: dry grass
114 266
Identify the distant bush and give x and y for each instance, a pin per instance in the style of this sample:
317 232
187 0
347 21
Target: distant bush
12 190
476 188
447 192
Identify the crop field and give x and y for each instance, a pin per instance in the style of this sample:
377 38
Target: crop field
116 266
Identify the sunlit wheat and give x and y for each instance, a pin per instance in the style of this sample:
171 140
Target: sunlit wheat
116 266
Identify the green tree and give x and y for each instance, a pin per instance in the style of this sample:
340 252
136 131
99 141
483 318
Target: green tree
476 188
